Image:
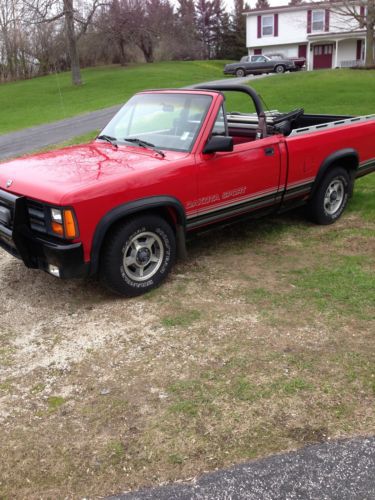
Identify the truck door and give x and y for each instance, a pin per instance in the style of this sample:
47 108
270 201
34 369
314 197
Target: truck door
237 182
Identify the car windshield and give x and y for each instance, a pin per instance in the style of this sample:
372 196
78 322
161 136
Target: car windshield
164 121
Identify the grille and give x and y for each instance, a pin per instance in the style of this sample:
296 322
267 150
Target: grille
37 216
8 204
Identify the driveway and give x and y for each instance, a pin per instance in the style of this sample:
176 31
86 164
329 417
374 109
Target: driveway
34 138
342 470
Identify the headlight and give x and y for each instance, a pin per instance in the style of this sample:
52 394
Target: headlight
63 223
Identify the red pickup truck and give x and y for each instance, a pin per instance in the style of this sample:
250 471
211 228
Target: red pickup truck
171 162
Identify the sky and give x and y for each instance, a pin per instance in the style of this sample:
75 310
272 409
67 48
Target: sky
229 3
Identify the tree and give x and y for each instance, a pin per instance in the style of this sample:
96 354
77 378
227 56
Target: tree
262 4
364 13
12 40
239 27
208 22
75 24
187 43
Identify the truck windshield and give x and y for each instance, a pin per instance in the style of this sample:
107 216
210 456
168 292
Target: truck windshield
167 121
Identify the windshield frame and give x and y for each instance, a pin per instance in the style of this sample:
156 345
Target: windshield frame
210 99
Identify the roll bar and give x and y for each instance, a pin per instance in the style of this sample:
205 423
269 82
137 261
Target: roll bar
262 128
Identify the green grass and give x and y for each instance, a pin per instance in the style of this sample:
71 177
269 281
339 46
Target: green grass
339 91
54 402
363 201
50 98
46 99
348 286
185 318
327 92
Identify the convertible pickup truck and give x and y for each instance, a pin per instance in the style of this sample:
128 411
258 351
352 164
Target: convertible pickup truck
171 162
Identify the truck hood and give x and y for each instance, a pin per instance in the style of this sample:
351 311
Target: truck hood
52 176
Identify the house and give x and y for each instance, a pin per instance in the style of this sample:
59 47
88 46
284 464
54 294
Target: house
311 30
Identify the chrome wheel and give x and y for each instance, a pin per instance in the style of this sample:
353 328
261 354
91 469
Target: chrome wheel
143 256
334 196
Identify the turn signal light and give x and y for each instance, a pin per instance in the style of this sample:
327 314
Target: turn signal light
69 224
57 228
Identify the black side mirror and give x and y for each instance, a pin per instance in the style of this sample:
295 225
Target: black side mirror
218 143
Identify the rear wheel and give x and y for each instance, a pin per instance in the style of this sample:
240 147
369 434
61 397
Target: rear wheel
138 255
240 72
331 197
279 68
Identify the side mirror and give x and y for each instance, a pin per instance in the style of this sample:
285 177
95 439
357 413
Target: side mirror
218 143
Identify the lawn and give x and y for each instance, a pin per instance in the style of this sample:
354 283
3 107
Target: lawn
46 99
51 98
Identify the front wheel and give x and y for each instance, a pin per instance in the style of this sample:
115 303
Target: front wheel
138 255
331 197
279 68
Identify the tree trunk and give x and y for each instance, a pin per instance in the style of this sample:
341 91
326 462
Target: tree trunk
369 56
72 42
122 45
146 47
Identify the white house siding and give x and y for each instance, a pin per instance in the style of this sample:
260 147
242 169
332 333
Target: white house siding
347 50
286 50
292 30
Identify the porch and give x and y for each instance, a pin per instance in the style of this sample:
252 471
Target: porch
336 50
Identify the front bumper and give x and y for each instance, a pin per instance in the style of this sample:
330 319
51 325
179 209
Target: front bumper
39 252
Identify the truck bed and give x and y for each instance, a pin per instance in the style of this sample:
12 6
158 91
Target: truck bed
245 125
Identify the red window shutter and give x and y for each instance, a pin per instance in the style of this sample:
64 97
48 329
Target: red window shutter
259 26
359 49
326 23
362 14
309 16
276 25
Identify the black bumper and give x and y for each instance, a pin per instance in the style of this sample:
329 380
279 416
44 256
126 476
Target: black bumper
38 252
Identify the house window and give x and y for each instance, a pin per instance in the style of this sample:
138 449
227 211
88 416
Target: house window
267 25
318 20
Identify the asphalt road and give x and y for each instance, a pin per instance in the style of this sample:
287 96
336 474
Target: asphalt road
34 138
341 470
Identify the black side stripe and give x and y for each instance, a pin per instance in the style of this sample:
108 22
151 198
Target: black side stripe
365 168
298 191
241 208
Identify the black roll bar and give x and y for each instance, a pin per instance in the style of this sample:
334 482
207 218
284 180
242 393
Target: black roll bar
262 128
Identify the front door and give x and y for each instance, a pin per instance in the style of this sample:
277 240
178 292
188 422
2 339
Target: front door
236 182
323 56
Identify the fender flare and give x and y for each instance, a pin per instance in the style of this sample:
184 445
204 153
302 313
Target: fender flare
133 207
350 159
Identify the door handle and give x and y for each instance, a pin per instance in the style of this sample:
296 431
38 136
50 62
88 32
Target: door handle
269 151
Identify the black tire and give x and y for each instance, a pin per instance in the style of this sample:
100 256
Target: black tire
137 255
240 72
279 69
331 197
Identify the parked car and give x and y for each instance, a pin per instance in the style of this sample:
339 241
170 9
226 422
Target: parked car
171 162
255 65
300 62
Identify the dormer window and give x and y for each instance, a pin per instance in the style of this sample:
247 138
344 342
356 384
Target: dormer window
267 25
318 17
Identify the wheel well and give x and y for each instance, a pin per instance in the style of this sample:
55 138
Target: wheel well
169 214
348 161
